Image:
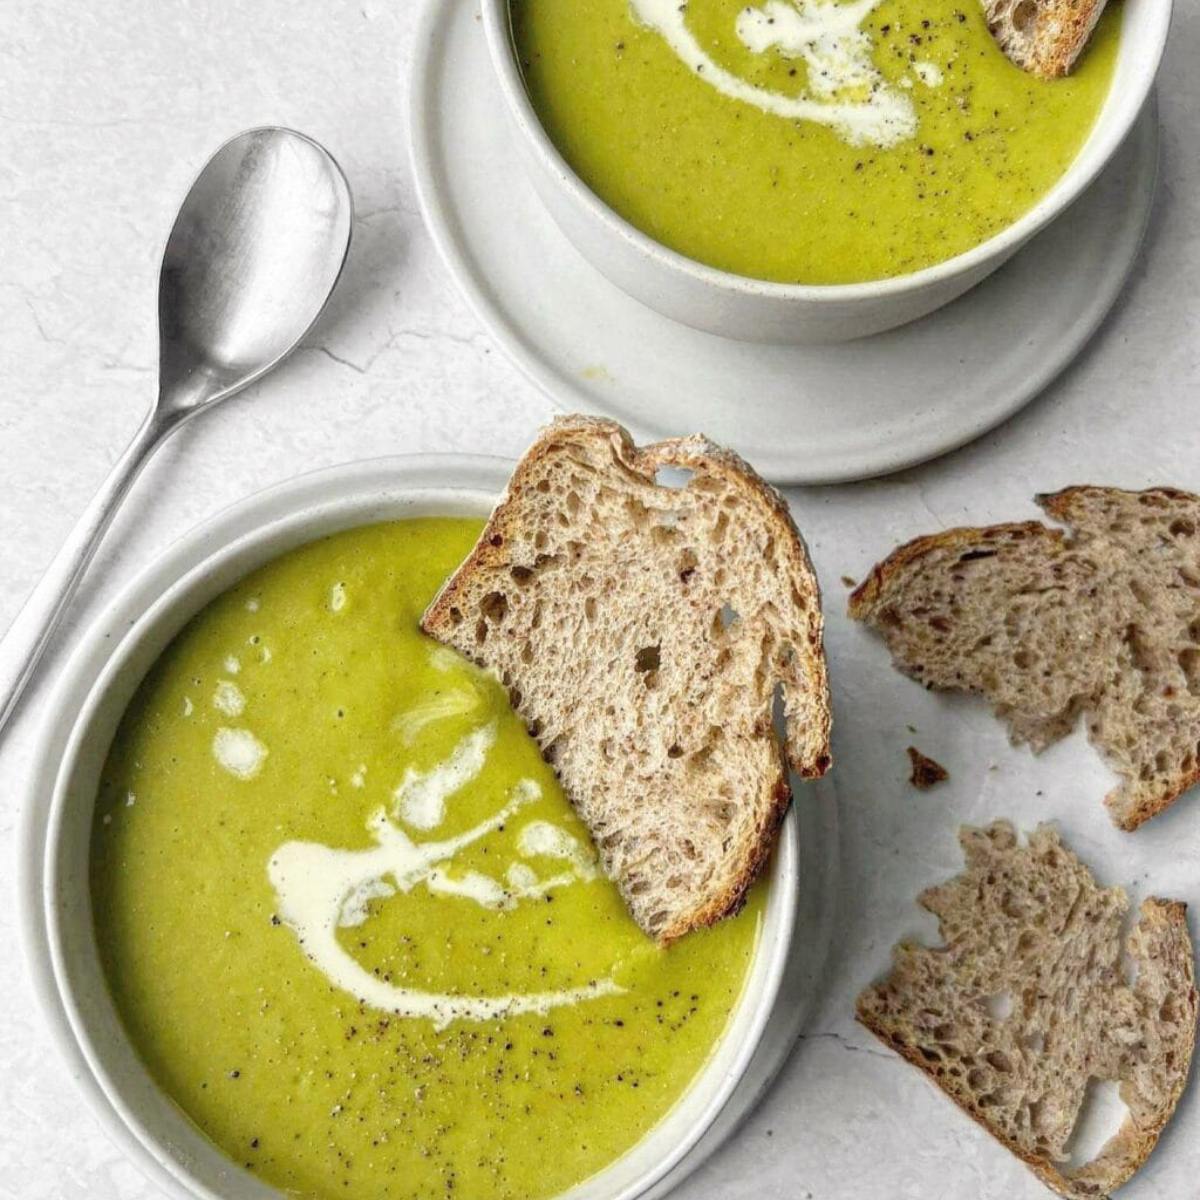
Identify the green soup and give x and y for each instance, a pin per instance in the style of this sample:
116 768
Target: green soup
348 918
805 141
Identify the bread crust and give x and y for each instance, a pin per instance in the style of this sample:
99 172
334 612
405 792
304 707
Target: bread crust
807 753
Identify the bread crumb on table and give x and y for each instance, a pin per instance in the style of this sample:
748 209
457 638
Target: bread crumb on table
926 773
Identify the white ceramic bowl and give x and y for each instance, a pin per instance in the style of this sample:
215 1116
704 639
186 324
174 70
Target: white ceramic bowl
106 669
754 310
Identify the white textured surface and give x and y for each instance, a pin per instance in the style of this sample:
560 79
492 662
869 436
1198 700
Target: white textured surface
107 109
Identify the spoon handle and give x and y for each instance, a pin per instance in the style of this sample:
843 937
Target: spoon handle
29 635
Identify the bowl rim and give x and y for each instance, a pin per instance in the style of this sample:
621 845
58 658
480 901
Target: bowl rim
1107 134
288 510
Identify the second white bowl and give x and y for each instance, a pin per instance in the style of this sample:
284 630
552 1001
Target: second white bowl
749 309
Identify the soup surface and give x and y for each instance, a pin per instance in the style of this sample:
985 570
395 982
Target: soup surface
348 918
805 141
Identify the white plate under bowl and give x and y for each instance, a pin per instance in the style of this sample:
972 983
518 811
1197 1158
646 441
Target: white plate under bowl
105 670
800 414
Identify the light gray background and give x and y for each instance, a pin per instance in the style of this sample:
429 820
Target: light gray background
106 111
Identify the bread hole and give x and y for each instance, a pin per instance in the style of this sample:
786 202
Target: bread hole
536 617
998 1060
977 1079
1035 1041
521 575
1101 1116
1022 659
1188 578
720 526
1182 527
456 616
1027 942
728 615
481 631
675 751
550 750
494 607
527 652
1140 591
573 503
975 555
723 811
999 1006
930 1054
638 887
988 1099
543 486
589 608
1023 15
686 565
1168 1011
648 658
535 727
674 478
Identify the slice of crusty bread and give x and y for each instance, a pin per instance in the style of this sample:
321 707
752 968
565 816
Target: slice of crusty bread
1027 1002
1043 37
1104 622
643 632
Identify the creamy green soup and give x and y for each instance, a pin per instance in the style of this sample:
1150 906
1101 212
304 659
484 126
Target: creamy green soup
348 918
805 141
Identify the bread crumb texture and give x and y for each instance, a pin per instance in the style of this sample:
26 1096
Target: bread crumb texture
1102 622
655 617
1027 1001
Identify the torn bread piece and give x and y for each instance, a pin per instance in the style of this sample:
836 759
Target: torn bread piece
647 634
1027 1002
1043 37
1103 622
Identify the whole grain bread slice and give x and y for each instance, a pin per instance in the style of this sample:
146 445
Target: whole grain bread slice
1027 1003
646 633
1104 622
1044 37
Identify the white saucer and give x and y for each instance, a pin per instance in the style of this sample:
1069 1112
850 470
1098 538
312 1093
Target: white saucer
801 414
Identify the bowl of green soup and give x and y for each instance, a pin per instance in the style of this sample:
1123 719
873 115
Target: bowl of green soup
805 170
311 917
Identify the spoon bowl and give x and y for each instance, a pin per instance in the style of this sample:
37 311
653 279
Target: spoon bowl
259 242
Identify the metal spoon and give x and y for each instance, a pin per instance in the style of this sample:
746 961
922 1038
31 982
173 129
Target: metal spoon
251 261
